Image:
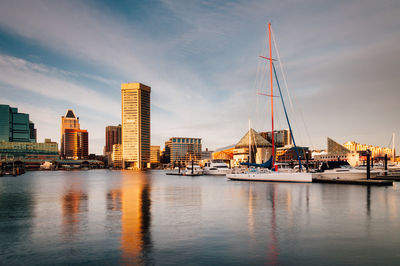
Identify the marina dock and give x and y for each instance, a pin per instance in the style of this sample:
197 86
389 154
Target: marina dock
365 182
388 177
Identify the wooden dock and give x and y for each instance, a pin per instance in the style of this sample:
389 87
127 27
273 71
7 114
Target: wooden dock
183 174
387 177
173 173
365 182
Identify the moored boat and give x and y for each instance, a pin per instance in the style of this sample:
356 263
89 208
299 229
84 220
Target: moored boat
263 172
216 167
259 174
193 170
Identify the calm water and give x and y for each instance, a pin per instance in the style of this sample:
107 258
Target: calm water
126 217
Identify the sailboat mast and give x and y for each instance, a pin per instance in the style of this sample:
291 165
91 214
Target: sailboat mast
272 95
249 143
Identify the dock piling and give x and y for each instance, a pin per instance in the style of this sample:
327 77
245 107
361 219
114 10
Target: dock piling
368 164
386 165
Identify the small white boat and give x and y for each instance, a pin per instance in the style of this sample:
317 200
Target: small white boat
345 172
193 169
216 167
271 176
46 166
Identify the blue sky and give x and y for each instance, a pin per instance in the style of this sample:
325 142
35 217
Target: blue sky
341 59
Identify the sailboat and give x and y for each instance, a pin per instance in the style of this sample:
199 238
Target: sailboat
267 171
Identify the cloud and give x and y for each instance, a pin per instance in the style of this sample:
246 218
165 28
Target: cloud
53 84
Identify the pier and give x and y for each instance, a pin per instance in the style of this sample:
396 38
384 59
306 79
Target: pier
367 182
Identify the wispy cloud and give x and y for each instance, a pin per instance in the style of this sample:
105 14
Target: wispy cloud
50 83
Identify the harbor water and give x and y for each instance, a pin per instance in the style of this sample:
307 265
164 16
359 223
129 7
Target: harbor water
106 217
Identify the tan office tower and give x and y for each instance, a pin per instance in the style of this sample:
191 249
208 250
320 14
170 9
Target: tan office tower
135 125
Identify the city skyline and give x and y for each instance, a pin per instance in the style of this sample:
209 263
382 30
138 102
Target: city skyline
201 61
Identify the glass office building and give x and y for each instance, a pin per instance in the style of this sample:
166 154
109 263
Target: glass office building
14 126
28 150
183 150
76 144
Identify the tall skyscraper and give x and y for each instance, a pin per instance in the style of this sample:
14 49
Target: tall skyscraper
135 125
15 126
74 141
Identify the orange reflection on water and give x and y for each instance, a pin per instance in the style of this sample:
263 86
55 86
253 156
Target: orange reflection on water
136 217
114 200
73 203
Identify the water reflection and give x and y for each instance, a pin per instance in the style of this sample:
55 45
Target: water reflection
74 204
110 217
16 212
114 200
251 200
136 241
273 251
369 201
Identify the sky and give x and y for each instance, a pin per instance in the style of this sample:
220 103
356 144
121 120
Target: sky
341 61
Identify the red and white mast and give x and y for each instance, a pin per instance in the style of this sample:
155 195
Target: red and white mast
272 96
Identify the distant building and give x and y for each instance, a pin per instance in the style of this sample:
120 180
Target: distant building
113 136
252 147
336 152
182 150
289 153
335 148
225 153
117 156
376 151
32 132
206 155
14 126
281 137
29 150
155 155
135 125
74 141
76 144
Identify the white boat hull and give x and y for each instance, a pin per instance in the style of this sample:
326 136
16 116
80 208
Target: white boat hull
351 175
272 177
216 172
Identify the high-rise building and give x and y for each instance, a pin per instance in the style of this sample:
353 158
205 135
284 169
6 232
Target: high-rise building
14 126
76 144
183 149
135 125
74 141
32 131
155 155
116 156
113 136
281 137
